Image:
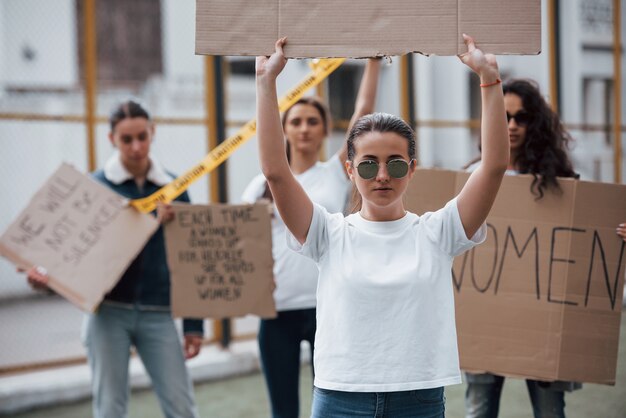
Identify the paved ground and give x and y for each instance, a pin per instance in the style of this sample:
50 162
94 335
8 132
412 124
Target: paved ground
244 396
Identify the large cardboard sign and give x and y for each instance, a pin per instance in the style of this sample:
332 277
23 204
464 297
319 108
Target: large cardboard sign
81 232
542 297
366 28
220 260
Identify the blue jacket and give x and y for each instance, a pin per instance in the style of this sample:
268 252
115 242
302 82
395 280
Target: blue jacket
146 282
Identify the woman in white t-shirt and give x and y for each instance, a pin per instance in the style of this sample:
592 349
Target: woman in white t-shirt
386 339
305 125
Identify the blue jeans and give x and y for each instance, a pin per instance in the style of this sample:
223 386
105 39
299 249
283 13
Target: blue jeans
482 398
109 334
424 403
279 346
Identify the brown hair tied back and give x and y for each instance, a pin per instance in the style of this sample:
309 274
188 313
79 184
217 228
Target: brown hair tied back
127 109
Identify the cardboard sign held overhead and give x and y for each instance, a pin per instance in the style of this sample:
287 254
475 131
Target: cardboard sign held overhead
542 297
81 232
366 28
220 260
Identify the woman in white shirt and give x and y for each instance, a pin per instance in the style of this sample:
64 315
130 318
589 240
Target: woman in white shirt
386 339
305 125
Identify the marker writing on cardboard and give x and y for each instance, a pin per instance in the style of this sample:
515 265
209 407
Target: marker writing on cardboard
212 244
531 247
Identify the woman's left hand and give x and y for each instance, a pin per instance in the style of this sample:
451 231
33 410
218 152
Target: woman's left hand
485 65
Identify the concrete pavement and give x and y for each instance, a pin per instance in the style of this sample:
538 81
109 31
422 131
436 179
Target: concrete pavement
228 385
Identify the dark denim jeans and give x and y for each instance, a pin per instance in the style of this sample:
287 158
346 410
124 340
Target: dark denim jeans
279 346
482 398
424 403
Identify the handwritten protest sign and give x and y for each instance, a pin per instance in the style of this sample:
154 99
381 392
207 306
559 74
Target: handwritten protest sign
220 260
81 232
541 298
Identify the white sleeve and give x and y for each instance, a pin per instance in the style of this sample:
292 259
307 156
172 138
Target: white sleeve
317 238
446 229
254 190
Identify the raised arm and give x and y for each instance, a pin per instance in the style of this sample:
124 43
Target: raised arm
292 202
365 100
479 193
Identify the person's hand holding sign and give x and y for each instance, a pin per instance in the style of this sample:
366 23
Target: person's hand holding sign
621 230
37 277
165 213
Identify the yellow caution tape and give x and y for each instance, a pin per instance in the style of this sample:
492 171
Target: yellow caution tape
320 70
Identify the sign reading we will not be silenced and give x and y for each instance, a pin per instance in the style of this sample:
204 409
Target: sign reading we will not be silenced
81 232
220 261
542 297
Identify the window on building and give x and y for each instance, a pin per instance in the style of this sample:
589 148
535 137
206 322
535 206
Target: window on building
597 108
474 110
343 86
128 40
243 66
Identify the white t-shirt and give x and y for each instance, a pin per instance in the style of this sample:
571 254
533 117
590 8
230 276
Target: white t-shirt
385 305
296 276
472 167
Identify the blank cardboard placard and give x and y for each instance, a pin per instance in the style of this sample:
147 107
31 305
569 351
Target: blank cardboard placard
81 232
541 298
220 260
367 28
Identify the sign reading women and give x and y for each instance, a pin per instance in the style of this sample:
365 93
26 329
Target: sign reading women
542 297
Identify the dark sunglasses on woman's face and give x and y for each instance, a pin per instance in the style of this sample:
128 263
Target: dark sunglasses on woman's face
521 117
368 169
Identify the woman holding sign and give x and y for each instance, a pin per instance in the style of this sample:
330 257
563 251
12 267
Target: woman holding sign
305 125
386 338
538 144
137 310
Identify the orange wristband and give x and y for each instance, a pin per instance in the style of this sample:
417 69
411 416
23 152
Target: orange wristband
498 81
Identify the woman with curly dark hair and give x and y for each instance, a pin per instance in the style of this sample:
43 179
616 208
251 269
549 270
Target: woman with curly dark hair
538 140
538 146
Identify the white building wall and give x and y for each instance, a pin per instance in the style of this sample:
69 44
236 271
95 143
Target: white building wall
3 25
571 63
535 67
442 94
39 43
424 103
178 31
587 63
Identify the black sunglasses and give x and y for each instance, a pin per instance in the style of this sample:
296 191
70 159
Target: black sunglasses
521 117
368 169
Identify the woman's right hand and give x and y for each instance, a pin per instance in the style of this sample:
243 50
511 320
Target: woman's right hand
273 65
165 213
621 230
